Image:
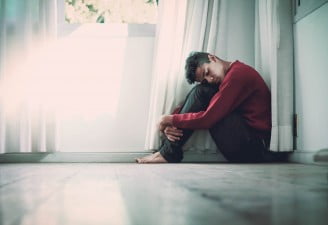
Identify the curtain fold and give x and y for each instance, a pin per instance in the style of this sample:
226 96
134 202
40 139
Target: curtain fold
2 70
193 26
274 61
168 47
26 125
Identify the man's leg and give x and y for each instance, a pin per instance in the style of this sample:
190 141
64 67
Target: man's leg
197 100
237 141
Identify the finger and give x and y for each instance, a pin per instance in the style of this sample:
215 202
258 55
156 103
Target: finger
172 138
175 129
172 129
175 133
168 128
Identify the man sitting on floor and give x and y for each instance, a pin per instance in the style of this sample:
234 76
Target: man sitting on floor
231 100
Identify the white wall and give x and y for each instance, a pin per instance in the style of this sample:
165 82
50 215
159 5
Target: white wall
311 79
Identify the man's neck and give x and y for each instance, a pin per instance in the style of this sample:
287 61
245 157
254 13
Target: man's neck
226 65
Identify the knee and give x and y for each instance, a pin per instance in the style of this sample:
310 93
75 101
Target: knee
198 98
204 91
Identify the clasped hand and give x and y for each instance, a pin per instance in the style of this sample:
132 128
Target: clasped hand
172 133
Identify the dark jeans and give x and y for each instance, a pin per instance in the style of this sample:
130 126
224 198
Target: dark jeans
234 138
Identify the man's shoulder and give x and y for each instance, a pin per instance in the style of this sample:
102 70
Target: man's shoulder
241 73
240 69
241 66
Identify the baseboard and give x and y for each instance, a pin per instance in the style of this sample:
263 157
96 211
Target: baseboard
319 157
98 157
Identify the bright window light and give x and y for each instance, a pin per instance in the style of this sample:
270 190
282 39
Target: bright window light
111 11
77 76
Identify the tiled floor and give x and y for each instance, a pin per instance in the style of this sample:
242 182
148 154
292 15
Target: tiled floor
196 194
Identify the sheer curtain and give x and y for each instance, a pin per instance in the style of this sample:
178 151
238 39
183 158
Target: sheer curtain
274 60
184 26
166 63
26 122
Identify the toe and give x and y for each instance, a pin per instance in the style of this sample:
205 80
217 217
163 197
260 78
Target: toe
138 160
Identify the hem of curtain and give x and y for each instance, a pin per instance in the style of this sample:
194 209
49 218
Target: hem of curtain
281 139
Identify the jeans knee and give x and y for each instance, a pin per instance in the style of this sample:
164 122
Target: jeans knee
204 91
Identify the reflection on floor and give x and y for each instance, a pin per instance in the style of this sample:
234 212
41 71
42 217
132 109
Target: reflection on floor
46 194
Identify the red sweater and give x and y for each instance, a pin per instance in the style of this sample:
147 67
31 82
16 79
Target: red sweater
242 89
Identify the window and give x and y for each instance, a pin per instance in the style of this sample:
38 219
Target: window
111 11
104 69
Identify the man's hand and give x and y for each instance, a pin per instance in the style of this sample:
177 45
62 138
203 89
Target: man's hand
173 133
165 122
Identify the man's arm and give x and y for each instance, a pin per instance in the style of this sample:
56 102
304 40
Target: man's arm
232 93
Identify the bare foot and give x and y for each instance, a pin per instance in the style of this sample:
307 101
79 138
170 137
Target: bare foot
153 158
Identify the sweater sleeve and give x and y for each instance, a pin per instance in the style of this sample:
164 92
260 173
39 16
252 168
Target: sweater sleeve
233 91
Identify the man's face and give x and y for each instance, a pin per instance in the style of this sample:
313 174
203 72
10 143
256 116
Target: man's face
212 72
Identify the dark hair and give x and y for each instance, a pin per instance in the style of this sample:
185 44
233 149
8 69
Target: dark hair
194 60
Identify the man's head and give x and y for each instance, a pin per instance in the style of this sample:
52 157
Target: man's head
204 68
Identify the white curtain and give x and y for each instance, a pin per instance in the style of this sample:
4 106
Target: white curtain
274 60
168 47
26 123
183 26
